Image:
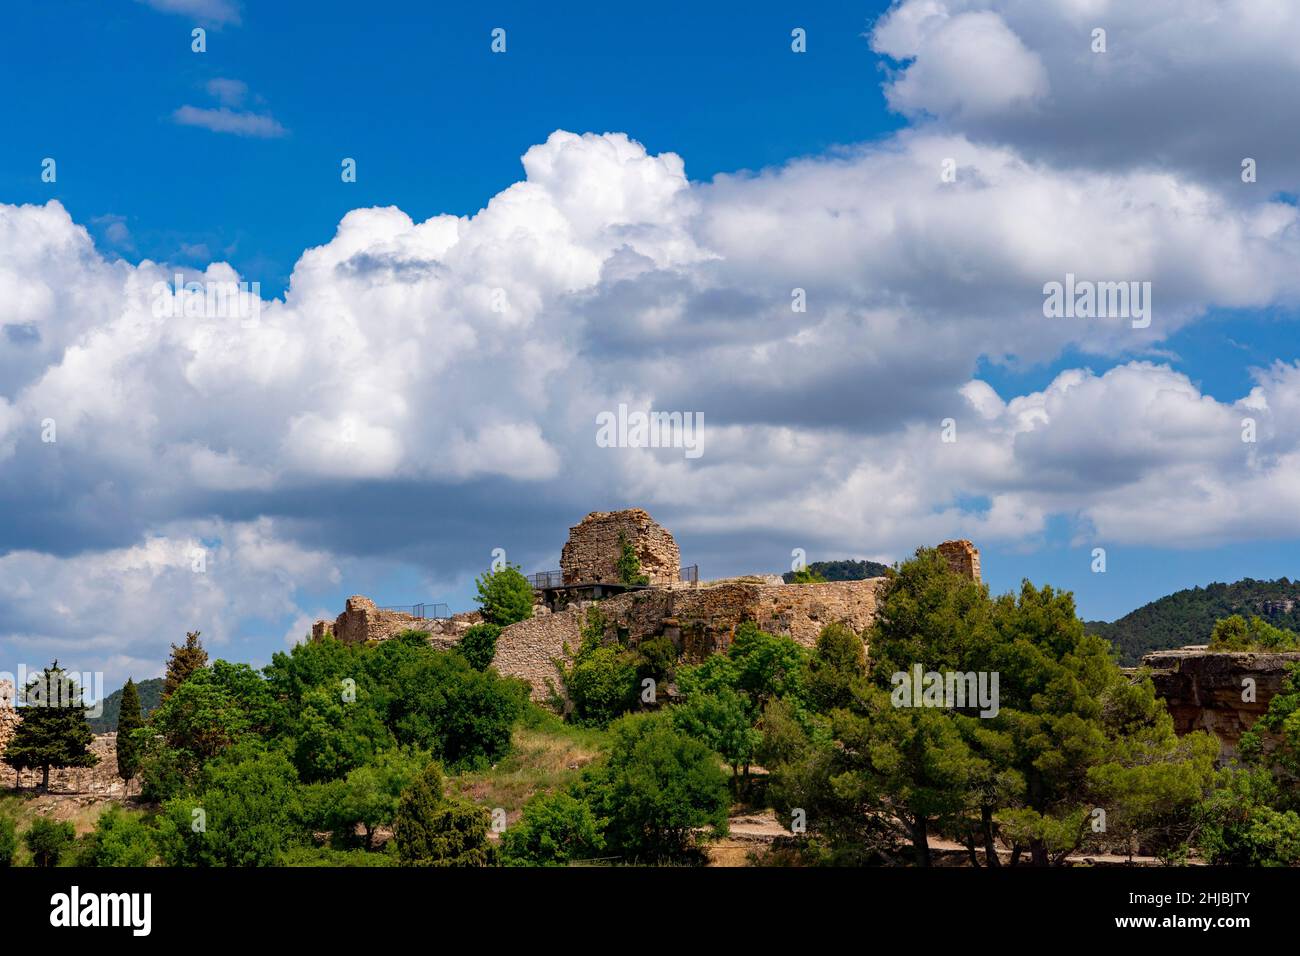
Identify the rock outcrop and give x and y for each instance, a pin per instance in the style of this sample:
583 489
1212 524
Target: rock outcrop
1222 692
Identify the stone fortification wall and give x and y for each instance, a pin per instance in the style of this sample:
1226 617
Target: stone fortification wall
699 621
362 621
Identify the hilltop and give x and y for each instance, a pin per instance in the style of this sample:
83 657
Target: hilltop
1188 616
843 570
150 696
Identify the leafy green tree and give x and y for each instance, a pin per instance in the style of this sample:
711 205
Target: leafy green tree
8 840
188 659
723 719
334 735
371 794
836 669
1241 824
1236 633
505 597
48 841
128 721
434 700
478 645
119 840
312 664
431 830
53 731
1273 742
806 576
245 811
629 564
194 724
554 830
766 665
656 787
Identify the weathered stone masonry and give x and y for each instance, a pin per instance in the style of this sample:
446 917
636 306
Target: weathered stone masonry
698 620
590 556
363 621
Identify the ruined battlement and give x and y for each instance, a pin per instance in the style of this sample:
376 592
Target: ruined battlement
699 618
963 557
591 554
363 621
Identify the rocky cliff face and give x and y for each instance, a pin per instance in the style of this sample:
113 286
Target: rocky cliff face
1223 693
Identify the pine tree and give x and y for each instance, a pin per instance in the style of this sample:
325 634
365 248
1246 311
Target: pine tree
184 662
433 831
128 719
53 731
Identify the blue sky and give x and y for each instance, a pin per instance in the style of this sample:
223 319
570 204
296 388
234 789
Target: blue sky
412 91
645 188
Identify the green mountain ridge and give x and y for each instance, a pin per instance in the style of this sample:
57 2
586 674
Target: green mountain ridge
1188 616
150 696
843 570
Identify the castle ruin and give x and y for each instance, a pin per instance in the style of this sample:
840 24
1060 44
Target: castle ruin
699 617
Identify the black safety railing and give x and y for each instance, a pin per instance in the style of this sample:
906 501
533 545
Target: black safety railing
546 579
430 612
689 575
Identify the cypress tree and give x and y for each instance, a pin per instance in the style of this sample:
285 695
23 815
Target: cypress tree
128 719
53 731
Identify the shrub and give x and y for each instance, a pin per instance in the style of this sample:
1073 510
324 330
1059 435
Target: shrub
8 840
505 597
554 830
48 841
656 788
118 840
478 645
433 831
245 813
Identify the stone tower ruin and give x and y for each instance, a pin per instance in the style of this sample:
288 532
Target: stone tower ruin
590 556
963 557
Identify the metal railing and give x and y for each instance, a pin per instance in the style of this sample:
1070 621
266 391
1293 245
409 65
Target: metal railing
689 575
546 579
430 612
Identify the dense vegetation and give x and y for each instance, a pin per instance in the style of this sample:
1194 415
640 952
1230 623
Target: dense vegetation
1189 616
840 571
401 754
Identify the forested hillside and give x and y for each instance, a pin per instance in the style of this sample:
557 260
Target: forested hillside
842 570
1188 616
150 696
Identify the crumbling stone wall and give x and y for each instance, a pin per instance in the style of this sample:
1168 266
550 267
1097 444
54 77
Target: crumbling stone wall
363 621
590 556
529 648
963 557
1203 689
99 780
698 620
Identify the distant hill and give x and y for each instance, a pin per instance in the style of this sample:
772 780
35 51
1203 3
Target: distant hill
150 696
843 570
1188 616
